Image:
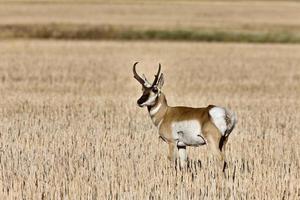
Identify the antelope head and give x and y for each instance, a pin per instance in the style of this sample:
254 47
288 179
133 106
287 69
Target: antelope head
151 92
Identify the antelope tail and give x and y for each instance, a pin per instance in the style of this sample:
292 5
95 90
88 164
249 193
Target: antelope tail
231 121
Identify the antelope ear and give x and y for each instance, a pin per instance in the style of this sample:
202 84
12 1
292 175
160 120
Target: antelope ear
160 81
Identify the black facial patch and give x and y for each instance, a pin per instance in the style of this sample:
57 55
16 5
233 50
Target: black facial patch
143 98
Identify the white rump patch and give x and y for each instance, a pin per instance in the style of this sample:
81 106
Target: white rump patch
188 133
218 115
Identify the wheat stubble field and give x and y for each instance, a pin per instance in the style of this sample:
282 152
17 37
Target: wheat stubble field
70 127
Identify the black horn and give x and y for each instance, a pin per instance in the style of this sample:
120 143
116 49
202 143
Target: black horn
156 76
136 76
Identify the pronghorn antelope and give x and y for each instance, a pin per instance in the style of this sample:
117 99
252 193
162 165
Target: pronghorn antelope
185 126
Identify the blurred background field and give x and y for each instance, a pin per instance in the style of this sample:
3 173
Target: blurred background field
70 127
241 21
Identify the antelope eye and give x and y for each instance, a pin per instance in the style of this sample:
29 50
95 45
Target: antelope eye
155 90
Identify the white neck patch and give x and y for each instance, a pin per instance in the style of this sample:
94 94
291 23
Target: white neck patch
154 110
158 125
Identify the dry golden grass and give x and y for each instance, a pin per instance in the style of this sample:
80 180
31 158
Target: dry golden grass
70 127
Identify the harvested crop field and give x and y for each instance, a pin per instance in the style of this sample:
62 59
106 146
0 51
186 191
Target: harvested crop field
70 127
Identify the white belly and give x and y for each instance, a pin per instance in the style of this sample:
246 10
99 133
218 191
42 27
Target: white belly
188 133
